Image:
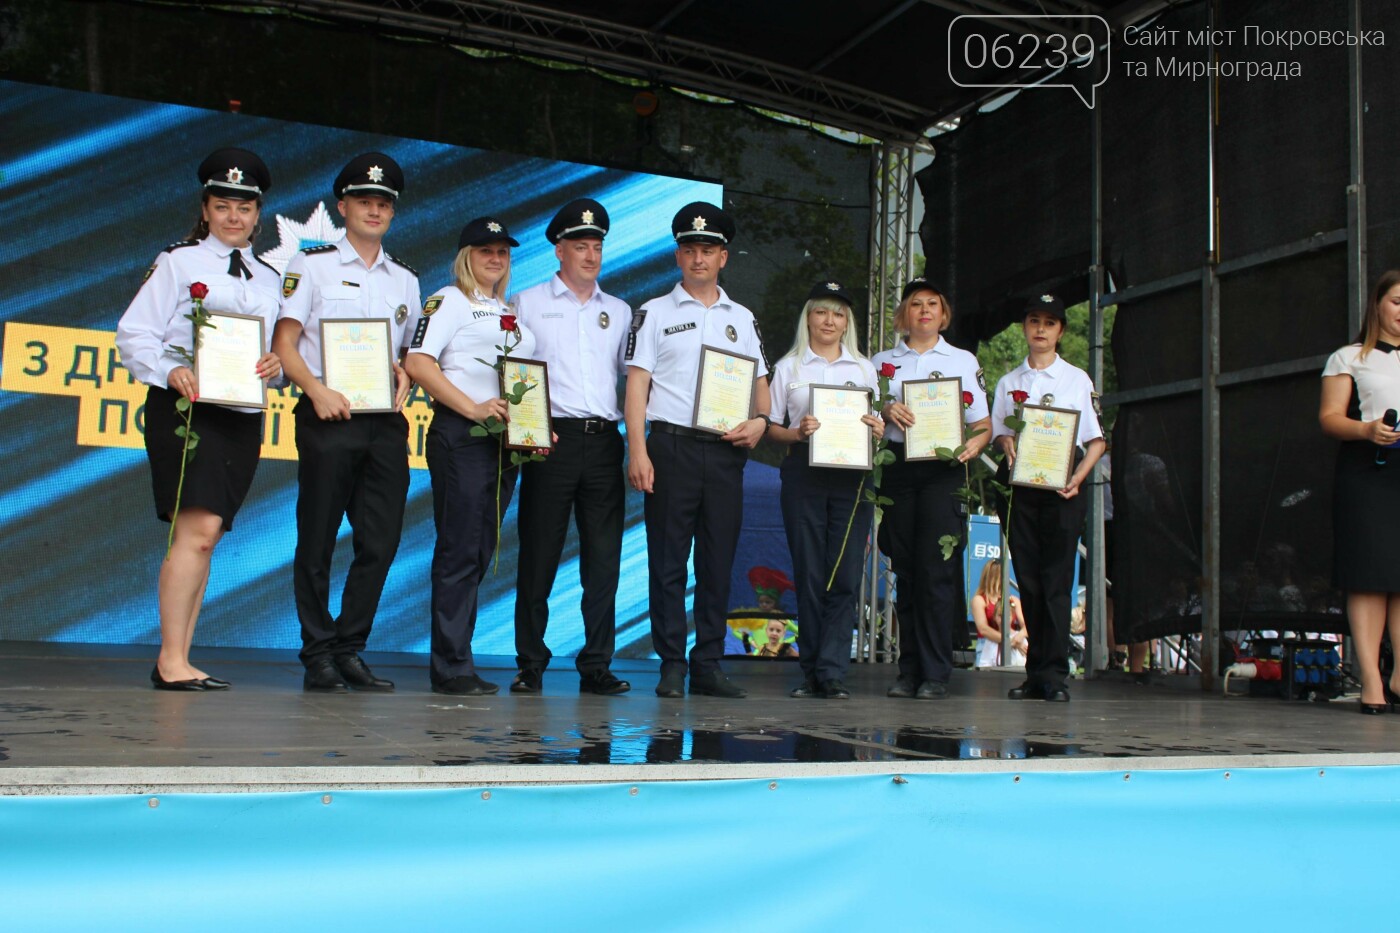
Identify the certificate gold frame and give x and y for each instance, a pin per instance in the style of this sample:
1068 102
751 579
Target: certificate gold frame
226 360
357 360
724 390
1045 447
529 425
938 416
843 441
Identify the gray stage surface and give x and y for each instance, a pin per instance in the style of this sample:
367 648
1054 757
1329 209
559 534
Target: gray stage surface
84 719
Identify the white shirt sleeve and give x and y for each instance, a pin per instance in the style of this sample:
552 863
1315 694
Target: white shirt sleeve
141 331
1340 363
777 394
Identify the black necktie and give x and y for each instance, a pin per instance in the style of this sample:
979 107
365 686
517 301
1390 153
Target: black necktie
236 267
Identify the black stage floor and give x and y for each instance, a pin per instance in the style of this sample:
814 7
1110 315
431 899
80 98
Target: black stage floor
85 716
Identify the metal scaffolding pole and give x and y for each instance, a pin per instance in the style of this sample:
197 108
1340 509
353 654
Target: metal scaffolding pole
1210 407
1096 647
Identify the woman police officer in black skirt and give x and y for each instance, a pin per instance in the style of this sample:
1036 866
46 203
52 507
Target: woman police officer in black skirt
1360 389
218 255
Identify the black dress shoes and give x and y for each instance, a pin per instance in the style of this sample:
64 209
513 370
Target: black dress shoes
528 681
1026 691
671 685
160 683
358 676
904 688
322 677
1057 694
806 691
932 690
468 685
715 684
214 683
835 690
603 683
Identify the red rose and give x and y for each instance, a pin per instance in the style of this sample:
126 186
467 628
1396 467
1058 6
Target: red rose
198 291
508 322
1019 397
967 399
887 370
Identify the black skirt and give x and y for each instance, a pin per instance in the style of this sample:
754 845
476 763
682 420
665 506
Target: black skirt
1365 532
225 460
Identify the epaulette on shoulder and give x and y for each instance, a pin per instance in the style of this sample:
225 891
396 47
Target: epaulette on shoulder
268 264
405 265
181 245
323 248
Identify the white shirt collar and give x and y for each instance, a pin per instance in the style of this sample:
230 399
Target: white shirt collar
811 356
680 296
348 254
901 348
560 288
221 249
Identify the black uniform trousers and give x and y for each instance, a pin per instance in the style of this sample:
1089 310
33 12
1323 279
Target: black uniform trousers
817 503
463 472
698 495
356 469
1044 532
583 474
929 591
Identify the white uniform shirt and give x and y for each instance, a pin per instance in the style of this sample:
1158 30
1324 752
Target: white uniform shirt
155 319
667 334
460 332
940 361
583 344
1376 379
329 282
791 389
1059 385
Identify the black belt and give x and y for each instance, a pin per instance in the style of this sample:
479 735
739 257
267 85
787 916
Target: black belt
664 427
586 425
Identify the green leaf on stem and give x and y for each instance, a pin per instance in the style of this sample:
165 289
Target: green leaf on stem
945 453
949 543
182 404
1014 423
478 431
884 456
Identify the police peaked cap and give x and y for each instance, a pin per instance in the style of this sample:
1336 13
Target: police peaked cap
1046 304
919 283
580 218
830 288
236 174
701 222
484 230
372 173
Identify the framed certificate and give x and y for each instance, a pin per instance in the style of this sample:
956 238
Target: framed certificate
843 440
528 425
938 417
357 360
724 390
226 360
1045 447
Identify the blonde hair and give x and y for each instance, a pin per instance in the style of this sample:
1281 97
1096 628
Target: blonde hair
989 584
901 313
466 281
803 340
1371 327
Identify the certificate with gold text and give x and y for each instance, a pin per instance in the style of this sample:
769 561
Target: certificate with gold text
724 391
1045 447
938 417
843 440
528 426
357 360
226 360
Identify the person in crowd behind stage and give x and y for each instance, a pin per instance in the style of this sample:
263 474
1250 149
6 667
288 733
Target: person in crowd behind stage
219 256
350 465
930 597
581 333
775 644
992 649
817 502
463 324
1360 395
693 480
1044 525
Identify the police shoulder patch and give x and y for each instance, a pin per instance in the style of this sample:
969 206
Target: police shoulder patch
431 305
981 380
149 272
323 248
181 245
397 261
290 281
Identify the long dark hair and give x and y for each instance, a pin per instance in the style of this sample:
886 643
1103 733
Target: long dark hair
1371 326
200 230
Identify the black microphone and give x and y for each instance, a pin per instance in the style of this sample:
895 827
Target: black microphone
1388 419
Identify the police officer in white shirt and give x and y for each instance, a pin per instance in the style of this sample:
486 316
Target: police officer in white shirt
1045 525
355 466
464 328
581 333
693 480
219 256
930 597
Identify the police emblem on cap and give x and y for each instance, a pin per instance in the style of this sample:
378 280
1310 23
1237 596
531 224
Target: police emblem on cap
431 305
401 314
289 283
1047 299
587 217
731 333
698 223
375 173
833 286
1047 399
234 176
494 227
604 320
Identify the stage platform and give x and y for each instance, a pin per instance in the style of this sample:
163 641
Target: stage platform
84 719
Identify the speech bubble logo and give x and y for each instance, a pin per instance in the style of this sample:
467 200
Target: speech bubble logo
1009 51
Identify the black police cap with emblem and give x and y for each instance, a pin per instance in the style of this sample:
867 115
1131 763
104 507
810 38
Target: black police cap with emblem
830 288
484 230
919 283
584 217
236 174
371 173
701 222
1046 304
